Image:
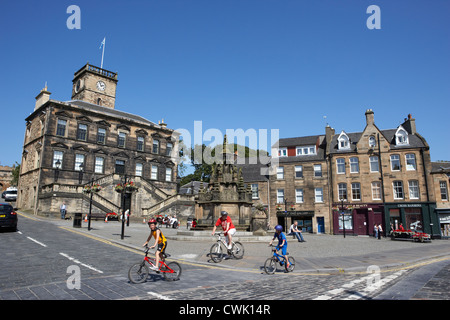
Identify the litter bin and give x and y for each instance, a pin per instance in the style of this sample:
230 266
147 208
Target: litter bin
78 217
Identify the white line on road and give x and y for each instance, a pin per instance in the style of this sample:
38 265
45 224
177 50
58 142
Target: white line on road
40 243
79 262
159 296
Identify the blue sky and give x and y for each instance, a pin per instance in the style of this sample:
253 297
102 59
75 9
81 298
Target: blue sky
261 64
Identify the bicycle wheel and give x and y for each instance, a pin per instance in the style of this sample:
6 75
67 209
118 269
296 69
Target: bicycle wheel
216 252
138 272
270 266
291 265
238 250
172 272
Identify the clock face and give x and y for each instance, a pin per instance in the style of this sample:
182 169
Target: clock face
77 86
101 85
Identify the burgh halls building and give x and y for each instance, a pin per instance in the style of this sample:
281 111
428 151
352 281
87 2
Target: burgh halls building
71 145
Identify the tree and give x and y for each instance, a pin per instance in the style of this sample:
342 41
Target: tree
15 174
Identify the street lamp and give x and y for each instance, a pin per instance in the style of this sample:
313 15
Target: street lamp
343 214
80 173
122 234
57 166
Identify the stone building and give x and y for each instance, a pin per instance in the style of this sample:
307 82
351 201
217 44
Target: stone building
347 182
440 179
72 144
299 188
380 177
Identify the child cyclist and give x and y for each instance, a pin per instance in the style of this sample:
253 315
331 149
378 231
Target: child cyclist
160 242
282 243
227 226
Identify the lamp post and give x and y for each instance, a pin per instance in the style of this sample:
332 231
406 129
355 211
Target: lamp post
122 234
90 205
80 173
343 215
57 164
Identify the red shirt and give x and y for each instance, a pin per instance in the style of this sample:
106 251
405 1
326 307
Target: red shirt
224 223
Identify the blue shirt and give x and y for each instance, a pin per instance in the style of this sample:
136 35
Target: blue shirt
280 236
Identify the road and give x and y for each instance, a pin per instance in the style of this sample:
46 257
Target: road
44 261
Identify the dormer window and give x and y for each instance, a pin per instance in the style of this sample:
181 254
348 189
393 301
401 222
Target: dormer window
372 142
343 141
401 137
282 152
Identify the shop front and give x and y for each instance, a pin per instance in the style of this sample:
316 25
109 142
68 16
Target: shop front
413 216
303 218
444 222
356 219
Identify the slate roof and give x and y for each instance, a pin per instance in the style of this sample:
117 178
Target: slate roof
415 141
112 112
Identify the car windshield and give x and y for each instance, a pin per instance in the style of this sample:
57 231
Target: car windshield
5 209
11 192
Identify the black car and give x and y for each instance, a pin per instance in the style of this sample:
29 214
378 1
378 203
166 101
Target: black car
8 217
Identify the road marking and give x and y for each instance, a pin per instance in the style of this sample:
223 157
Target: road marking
159 296
79 262
40 243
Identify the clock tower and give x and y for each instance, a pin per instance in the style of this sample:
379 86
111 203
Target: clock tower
95 85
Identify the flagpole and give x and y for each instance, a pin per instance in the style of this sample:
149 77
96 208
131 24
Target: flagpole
103 52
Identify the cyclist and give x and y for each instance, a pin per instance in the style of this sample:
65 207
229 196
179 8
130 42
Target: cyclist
228 228
160 242
282 242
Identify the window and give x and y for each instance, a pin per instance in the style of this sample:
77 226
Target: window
99 162
61 128
443 188
282 152
255 191
340 163
356 191
154 172
298 195
374 164
376 190
354 165
299 171
101 135
413 186
121 139
306 150
342 191
155 148
120 166
82 132
372 142
401 137
410 161
318 194
280 172
280 195
343 141
398 189
317 170
139 169
57 155
395 162
79 160
169 148
140 144
168 174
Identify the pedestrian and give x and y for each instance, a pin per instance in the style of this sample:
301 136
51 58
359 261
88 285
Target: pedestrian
380 230
375 231
62 210
294 231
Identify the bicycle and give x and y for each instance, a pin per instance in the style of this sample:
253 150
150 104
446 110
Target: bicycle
217 250
138 272
270 264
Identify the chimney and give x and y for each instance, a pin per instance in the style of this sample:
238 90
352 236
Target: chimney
410 124
329 133
42 97
369 117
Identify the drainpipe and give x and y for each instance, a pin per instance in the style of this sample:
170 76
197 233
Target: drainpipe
382 184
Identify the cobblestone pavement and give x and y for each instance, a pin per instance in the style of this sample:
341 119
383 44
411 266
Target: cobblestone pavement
35 261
